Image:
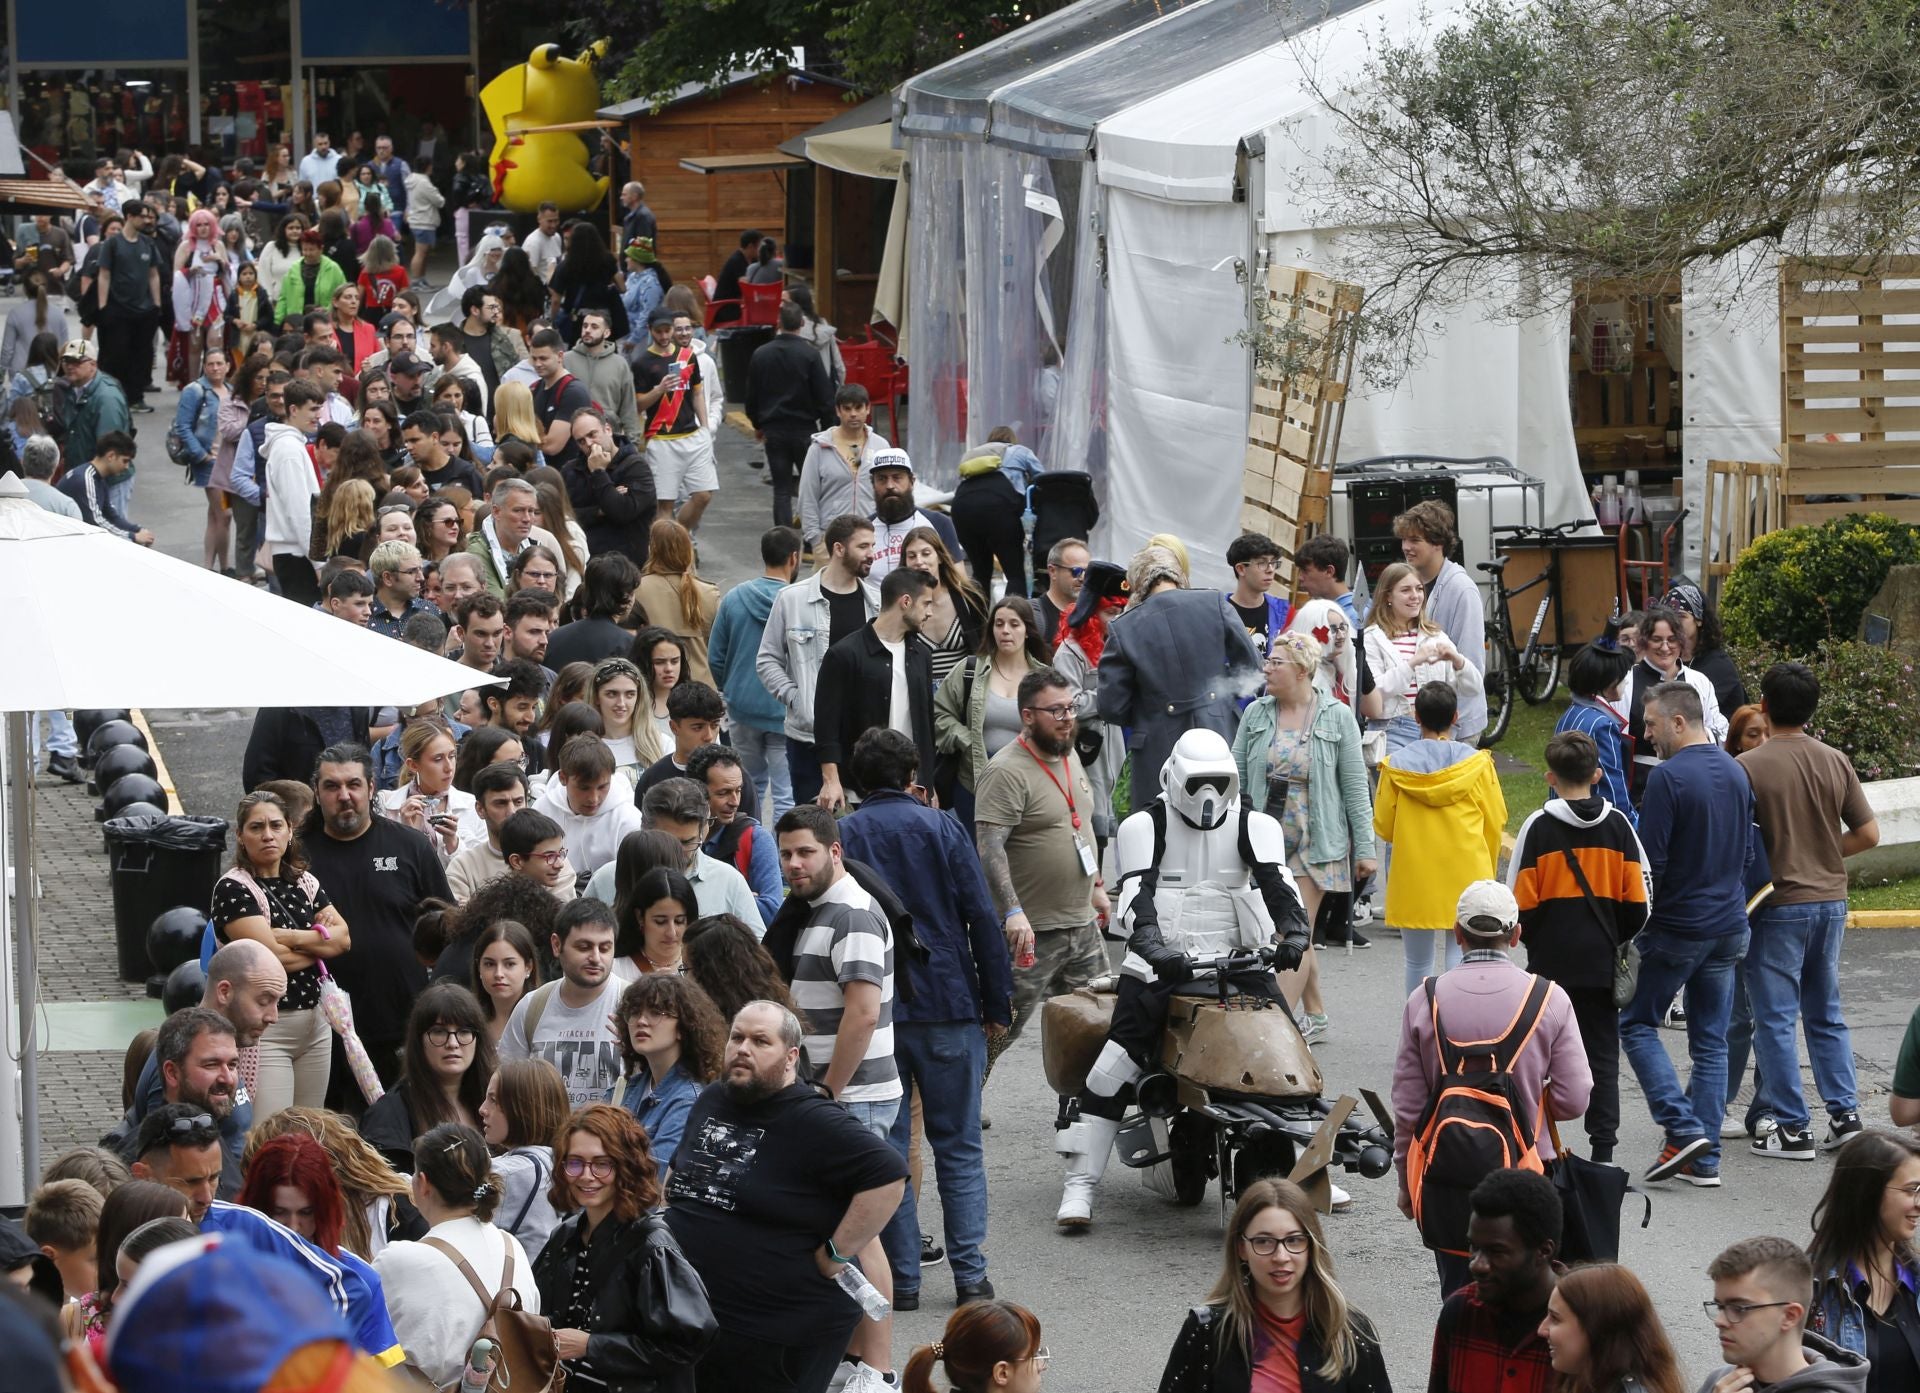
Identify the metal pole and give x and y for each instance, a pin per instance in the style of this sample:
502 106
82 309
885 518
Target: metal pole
20 814
194 132
299 118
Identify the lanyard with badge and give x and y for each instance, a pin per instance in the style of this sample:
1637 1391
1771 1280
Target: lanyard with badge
1088 863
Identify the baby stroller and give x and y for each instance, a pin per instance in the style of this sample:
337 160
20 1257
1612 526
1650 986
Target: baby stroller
1059 504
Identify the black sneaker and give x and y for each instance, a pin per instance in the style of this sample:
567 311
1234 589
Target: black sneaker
906 1300
981 1290
931 1253
1356 939
1778 1142
66 767
142 408
1843 1128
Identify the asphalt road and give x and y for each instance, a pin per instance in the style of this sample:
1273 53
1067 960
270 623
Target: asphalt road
1111 1300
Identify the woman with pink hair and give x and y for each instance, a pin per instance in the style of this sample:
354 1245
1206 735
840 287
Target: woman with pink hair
202 280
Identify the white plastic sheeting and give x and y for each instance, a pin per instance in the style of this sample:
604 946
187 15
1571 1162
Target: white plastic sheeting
936 425
1730 379
1177 409
1078 438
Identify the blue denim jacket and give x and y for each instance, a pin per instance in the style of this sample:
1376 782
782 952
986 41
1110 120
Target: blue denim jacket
1838 1312
661 1109
927 858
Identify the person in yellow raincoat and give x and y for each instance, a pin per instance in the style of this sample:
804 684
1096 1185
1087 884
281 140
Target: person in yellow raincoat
1439 806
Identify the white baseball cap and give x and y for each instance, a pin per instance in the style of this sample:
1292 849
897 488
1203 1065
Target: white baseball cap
1487 909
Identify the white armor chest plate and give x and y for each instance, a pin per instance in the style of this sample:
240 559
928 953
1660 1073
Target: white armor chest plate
1205 897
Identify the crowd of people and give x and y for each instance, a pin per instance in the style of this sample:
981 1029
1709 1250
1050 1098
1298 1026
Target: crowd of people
675 941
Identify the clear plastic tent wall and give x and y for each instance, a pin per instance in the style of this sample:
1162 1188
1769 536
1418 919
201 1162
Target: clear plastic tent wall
1077 434
936 424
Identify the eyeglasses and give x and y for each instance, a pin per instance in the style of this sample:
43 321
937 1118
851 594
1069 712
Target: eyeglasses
449 1035
1733 1312
577 1166
1075 571
1041 1358
1912 1192
1266 1244
184 1125
552 858
694 842
1059 713
1668 642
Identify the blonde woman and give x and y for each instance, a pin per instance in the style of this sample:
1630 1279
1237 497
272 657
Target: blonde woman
349 520
615 694
674 596
1298 755
426 799
378 1203
1406 650
514 417
1276 1317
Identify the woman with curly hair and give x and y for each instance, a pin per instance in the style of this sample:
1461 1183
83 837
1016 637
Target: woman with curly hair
675 597
522 294
613 1324
378 1209
671 1037
291 1181
725 959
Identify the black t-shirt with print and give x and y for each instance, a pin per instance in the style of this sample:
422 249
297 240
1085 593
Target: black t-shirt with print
1255 619
377 882
756 1189
454 471
288 908
650 370
550 406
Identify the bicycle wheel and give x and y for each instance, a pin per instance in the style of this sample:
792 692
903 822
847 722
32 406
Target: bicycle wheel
1539 675
1499 681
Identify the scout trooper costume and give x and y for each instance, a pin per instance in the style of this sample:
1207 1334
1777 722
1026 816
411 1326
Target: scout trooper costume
1199 876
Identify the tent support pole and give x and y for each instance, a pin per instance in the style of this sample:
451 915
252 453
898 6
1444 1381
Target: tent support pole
20 815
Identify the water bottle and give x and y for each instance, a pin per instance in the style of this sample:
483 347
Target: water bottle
854 1283
477 1377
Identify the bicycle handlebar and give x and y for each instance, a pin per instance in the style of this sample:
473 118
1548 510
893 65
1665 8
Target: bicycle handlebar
1558 529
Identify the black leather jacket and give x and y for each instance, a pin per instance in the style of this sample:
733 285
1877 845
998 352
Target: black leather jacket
1199 1362
650 1321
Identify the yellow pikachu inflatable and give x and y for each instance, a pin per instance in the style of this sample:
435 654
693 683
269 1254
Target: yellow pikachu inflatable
544 166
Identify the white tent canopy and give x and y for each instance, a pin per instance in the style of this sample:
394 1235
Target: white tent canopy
94 621
1196 183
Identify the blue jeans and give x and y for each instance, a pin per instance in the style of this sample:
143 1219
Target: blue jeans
877 1118
1740 1051
1793 969
946 1060
61 739
764 755
1417 945
1704 968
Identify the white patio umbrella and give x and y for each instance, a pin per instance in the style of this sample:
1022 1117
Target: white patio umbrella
93 621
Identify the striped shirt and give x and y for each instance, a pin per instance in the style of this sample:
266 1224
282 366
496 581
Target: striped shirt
846 940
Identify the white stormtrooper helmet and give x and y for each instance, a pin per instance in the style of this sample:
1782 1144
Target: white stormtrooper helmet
1200 780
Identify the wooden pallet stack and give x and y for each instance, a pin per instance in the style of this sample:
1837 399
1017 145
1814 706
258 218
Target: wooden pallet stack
1299 403
1838 404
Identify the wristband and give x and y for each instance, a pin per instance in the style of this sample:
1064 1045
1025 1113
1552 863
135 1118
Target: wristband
836 1254
1010 913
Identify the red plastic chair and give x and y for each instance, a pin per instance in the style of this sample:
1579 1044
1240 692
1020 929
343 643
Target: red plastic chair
715 306
760 304
873 366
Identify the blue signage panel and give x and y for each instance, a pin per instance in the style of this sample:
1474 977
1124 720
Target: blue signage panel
112 33
354 29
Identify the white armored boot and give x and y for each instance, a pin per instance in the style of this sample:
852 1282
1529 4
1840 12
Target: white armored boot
1086 1144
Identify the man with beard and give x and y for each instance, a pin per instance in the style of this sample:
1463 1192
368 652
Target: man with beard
1033 821
880 676
806 620
567 1022
376 871
199 1061
895 514
244 984
765 1167
595 360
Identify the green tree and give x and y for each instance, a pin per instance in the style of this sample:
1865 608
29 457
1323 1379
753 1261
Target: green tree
1521 148
872 44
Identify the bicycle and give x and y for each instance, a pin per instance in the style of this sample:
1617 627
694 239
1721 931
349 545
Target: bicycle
1531 669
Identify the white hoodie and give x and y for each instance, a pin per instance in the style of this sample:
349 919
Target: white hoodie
291 487
591 841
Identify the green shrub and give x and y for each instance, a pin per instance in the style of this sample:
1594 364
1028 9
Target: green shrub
1867 698
1797 588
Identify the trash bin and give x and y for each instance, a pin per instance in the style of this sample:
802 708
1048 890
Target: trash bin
736 351
157 863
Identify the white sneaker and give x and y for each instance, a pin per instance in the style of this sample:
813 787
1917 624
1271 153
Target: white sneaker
866 1379
1341 1200
1731 1126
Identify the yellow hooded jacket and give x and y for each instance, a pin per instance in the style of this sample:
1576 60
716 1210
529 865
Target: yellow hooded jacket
1444 825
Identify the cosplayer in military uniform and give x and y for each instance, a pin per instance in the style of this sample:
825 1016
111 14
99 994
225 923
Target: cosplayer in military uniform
1200 875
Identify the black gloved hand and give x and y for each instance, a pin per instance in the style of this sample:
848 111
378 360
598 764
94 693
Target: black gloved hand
1287 953
1171 968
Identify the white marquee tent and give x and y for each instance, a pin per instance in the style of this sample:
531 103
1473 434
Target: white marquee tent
1104 186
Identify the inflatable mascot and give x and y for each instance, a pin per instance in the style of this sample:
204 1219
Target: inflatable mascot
532 165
